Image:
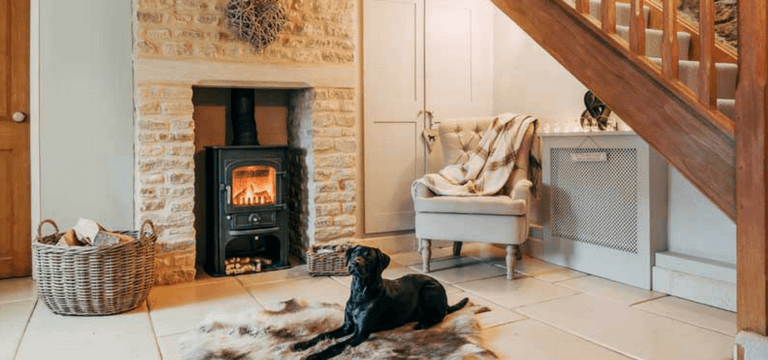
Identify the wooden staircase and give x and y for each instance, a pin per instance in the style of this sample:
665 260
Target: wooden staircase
683 93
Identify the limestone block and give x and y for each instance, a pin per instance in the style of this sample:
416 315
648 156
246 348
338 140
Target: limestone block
345 145
327 209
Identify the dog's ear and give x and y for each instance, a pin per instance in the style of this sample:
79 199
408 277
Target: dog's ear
348 254
382 260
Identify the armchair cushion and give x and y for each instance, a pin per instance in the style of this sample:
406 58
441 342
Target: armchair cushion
487 205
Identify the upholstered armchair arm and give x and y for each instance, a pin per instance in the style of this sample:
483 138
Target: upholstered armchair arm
522 191
422 191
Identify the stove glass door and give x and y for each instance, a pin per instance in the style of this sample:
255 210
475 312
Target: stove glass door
253 185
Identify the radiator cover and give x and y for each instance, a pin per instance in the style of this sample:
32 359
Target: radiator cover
595 202
604 205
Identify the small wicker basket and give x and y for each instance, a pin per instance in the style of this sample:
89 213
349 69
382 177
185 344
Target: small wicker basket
321 261
95 280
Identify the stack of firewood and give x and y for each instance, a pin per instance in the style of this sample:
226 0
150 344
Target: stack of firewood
90 233
242 265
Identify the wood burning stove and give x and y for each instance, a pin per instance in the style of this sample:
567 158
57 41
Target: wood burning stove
247 217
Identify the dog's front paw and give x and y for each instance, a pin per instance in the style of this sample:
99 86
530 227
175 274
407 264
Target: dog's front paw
301 346
314 357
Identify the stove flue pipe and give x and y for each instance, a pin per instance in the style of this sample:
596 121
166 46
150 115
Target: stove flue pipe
244 117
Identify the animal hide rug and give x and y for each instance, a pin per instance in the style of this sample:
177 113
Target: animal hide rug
268 335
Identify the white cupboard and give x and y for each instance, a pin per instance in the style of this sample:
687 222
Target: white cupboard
423 61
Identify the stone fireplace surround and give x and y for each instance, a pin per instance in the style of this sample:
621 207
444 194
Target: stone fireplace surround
314 54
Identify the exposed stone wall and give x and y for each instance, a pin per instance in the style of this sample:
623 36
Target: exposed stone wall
316 31
185 33
322 135
726 24
165 180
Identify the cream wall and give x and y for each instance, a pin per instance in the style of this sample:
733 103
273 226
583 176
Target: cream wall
528 80
696 226
86 112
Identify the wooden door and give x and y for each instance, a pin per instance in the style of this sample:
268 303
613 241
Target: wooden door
458 63
394 97
15 249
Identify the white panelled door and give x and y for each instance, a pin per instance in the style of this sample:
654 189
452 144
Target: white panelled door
394 96
401 87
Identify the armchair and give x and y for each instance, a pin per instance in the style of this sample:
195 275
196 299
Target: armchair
499 219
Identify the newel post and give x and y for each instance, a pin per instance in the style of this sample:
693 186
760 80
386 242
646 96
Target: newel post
751 170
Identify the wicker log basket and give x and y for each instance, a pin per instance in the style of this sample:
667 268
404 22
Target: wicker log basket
95 280
327 260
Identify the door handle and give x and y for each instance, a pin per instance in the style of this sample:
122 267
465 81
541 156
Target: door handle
19 117
430 117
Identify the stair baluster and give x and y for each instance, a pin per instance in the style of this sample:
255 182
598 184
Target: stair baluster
637 27
582 6
707 71
670 53
608 16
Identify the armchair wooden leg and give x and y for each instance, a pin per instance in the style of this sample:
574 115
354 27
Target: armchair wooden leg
426 253
512 251
457 248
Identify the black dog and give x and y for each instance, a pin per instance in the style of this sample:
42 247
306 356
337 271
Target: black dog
377 304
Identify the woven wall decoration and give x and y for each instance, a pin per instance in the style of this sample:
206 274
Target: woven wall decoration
256 21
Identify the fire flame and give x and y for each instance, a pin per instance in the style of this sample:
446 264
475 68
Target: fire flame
254 185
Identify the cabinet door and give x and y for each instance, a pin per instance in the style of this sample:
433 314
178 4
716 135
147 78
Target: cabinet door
458 50
394 95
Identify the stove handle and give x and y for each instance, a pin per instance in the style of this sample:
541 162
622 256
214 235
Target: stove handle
253 232
229 194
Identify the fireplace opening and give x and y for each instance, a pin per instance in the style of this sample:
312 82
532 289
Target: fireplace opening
244 184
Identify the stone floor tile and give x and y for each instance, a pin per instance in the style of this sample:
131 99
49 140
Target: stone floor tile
630 331
176 309
621 293
14 317
533 340
17 289
515 293
708 317
126 336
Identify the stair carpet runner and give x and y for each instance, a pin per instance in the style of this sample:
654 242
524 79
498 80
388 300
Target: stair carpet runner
688 69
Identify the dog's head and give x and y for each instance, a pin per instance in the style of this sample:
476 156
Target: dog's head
366 262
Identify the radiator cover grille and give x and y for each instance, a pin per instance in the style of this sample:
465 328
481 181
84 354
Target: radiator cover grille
595 202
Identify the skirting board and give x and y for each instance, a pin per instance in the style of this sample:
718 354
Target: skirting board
694 265
717 293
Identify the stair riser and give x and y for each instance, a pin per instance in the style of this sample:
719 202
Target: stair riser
726 77
653 40
622 12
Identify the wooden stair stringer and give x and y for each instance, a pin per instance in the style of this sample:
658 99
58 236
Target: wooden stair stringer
698 141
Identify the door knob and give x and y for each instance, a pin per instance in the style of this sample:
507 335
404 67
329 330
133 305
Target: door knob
19 116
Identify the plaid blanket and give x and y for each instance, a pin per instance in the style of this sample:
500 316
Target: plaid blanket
489 165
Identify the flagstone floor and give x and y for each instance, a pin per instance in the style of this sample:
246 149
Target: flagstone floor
548 312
